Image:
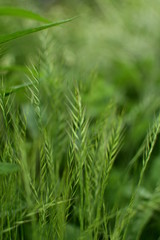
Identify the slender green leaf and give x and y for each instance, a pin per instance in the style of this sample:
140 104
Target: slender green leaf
18 12
13 68
16 88
7 168
9 37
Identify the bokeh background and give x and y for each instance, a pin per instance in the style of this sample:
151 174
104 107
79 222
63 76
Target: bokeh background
112 52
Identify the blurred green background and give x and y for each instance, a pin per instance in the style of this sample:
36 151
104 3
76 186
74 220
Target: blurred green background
112 52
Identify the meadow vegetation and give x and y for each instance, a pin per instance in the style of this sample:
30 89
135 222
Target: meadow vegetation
79 120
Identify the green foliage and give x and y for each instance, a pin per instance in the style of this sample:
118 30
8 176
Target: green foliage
79 130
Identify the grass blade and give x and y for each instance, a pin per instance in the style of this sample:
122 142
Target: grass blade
9 37
7 168
16 88
18 12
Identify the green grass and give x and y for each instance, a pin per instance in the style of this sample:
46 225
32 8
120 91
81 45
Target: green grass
79 122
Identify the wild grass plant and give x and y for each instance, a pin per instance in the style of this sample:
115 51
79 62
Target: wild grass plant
76 162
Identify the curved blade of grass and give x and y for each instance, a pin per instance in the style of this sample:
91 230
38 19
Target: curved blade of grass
15 88
12 68
9 37
8 168
18 12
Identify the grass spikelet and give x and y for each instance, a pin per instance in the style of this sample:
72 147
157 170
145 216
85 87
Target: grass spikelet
78 136
148 148
34 91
